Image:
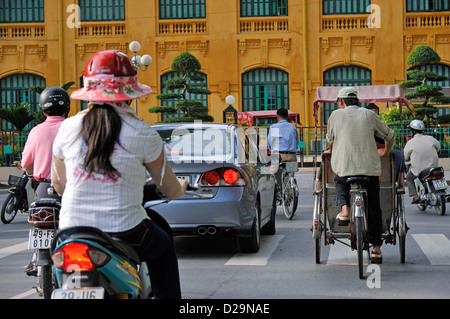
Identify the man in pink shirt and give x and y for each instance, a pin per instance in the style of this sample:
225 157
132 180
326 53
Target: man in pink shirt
37 153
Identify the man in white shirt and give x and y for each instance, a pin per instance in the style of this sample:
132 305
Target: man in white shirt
422 151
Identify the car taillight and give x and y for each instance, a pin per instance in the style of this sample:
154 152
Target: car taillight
230 176
222 177
80 255
212 177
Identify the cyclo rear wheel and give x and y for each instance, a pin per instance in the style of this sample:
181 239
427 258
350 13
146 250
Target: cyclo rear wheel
360 245
401 227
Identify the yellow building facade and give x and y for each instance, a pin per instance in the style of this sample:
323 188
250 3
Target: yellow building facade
304 43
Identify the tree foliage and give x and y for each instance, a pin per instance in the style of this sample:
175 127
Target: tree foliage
19 116
177 88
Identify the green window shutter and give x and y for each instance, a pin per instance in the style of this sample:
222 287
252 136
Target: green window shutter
264 8
344 76
344 6
182 9
265 89
21 11
427 5
15 89
102 10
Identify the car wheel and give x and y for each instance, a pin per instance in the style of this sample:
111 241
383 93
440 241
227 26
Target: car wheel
251 244
269 228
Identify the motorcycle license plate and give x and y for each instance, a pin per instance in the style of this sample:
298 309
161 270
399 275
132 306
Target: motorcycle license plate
79 293
440 184
40 238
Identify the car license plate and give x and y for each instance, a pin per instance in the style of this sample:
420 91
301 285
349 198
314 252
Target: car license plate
187 178
79 293
440 184
40 238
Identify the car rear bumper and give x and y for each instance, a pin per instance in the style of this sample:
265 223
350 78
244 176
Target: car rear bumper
230 210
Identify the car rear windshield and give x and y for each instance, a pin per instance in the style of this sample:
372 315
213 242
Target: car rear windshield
196 145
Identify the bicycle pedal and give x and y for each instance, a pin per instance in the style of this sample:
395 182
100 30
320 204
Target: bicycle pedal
343 222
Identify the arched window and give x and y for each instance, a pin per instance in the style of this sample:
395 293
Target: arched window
265 89
194 84
15 89
351 75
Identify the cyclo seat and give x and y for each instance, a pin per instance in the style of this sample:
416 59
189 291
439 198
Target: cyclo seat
91 233
359 180
428 171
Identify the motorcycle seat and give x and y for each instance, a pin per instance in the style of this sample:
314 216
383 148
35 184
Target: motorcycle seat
428 171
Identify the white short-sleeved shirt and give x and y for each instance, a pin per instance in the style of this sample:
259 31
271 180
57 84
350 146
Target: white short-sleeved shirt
422 150
112 206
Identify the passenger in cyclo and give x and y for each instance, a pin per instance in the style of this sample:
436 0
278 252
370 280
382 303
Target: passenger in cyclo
350 135
422 151
282 141
100 159
37 152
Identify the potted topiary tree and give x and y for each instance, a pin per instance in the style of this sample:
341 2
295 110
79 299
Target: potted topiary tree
419 78
177 88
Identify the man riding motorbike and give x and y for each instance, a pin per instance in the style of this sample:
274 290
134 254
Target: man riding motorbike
422 151
37 153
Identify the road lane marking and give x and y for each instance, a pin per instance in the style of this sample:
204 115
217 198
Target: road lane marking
435 246
341 254
267 247
24 294
11 250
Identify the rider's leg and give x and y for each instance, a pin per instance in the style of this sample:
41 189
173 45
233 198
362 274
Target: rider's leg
343 195
374 216
410 177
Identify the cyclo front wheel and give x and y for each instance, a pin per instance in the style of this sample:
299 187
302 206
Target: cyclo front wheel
290 197
9 209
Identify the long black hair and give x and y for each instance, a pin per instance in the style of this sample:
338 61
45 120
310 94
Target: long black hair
101 130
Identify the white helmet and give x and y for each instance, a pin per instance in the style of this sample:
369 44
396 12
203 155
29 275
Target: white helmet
417 125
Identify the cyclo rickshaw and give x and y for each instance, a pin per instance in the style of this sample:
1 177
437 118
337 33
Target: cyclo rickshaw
326 228
289 188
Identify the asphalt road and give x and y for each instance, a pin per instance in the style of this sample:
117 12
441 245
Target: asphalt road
284 268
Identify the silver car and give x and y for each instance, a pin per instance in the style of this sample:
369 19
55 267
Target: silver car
237 189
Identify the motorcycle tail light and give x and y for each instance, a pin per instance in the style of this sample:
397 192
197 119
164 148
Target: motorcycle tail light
43 217
437 175
230 176
79 256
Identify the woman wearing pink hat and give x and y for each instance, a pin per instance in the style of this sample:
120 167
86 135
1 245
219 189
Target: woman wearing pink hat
100 158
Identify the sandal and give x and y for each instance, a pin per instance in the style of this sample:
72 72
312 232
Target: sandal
342 218
376 258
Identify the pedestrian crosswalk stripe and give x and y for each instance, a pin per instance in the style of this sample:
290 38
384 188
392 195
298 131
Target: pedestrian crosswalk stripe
435 246
267 247
10 250
341 254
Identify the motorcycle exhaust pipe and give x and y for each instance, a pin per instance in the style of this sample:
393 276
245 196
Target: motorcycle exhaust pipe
212 230
206 230
202 230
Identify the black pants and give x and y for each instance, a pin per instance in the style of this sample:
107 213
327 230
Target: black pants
156 248
373 204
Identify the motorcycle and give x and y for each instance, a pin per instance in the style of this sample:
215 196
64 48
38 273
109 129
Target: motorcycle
431 188
18 198
43 217
90 264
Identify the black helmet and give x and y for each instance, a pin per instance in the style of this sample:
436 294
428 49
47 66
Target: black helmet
54 101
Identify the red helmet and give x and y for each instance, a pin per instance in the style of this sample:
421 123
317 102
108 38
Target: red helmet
109 75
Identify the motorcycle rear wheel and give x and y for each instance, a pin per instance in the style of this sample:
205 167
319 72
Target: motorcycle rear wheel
440 205
9 209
